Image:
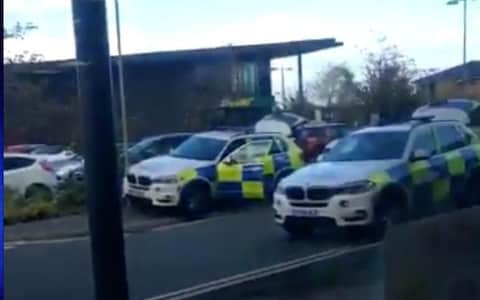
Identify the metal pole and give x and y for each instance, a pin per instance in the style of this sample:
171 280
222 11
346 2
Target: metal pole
300 78
465 31
282 72
123 106
103 195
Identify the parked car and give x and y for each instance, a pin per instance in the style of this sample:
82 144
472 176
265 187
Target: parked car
71 168
54 152
24 148
383 175
212 167
312 137
155 146
29 175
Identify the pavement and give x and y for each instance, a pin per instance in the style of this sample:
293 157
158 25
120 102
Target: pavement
77 225
166 259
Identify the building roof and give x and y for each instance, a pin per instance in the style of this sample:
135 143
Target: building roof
243 52
471 70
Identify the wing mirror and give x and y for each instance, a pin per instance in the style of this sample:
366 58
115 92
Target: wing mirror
229 161
420 154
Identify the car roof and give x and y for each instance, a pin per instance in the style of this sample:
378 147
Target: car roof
387 128
322 125
166 135
20 155
219 134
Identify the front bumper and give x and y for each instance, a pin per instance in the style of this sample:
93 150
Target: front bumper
162 195
343 209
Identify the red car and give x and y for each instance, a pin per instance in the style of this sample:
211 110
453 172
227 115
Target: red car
312 137
24 148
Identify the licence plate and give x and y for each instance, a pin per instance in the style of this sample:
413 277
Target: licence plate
136 193
305 213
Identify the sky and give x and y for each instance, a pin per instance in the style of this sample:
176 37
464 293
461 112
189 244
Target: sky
428 31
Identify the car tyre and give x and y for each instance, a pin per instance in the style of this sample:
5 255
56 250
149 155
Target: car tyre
195 203
392 217
39 192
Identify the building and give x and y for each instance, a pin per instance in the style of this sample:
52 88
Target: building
462 81
180 90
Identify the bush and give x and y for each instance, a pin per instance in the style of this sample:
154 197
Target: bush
11 207
70 199
18 209
37 210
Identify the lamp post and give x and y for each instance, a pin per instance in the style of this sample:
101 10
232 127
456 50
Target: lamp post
123 105
455 2
282 74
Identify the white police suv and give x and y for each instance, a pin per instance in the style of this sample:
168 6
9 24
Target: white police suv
382 175
213 166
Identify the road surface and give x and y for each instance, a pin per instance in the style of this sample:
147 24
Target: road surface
160 261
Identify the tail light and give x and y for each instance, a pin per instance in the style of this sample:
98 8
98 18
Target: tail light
46 166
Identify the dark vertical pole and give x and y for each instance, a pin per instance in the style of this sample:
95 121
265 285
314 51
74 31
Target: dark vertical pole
103 195
300 78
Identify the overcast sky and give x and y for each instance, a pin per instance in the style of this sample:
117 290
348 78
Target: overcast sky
428 31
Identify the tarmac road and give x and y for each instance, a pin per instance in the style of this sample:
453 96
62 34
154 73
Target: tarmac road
161 261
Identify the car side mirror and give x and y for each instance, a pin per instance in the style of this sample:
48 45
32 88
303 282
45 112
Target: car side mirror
420 154
229 161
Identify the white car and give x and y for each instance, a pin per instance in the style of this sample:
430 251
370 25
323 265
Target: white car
384 175
29 175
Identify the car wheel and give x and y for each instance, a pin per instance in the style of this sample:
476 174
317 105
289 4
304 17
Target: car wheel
298 230
195 202
394 216
39 192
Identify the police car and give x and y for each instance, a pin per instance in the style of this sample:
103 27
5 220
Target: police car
382 175
213 166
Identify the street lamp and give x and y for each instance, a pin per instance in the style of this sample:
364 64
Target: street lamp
123 109
455 2
282 72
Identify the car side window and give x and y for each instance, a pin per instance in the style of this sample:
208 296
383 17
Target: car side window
234 145
15 163
252 151
425 141
281 144
449 138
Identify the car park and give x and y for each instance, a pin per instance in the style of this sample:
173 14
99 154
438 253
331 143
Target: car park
213 167
382 175
29 175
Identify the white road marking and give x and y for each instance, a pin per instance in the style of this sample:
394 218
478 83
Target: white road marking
259 273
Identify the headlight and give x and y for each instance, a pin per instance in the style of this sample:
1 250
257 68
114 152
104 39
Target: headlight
356 187
166 180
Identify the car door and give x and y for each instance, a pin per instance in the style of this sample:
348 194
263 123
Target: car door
241 174
16 172
455 151
428 177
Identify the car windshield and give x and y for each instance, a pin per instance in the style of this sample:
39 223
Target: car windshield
369 146
137 148
200 148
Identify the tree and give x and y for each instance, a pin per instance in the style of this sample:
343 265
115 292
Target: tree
387 87
29 115
335 85
19 31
